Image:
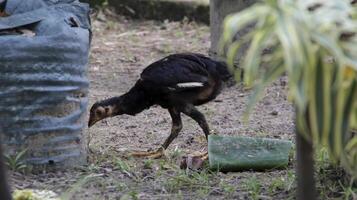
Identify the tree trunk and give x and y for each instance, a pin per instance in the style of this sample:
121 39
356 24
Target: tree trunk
306 189
4 187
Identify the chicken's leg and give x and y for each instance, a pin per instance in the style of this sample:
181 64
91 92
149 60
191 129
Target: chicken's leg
176 128
196 115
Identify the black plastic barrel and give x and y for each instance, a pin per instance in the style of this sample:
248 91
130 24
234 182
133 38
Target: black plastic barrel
44 47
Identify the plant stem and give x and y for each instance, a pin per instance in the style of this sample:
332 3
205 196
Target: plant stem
306 188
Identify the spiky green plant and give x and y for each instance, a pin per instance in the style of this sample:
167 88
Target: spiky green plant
315 44
16 162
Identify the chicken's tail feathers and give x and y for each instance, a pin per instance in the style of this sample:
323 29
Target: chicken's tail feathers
220 66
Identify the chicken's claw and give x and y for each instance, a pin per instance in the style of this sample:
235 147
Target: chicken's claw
149 154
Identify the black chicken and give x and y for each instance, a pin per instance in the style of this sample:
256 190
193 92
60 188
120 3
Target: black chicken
178 83
4 187
2 8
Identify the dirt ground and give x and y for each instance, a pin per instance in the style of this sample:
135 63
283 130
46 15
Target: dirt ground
120 50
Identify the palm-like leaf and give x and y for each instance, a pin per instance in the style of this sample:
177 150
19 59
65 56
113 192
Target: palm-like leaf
15 162
314 43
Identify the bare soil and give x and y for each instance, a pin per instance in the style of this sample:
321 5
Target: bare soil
121 49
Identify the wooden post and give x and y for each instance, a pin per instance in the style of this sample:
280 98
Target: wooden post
4 187
306 189
219 9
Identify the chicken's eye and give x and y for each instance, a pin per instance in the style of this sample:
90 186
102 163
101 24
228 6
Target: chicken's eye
107 110
99 113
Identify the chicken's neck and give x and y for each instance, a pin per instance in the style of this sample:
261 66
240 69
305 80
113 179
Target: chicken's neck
133 102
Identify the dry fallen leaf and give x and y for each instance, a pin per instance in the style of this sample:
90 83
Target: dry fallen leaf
192 162
3 14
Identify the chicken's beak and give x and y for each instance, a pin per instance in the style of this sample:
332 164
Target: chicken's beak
91 122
